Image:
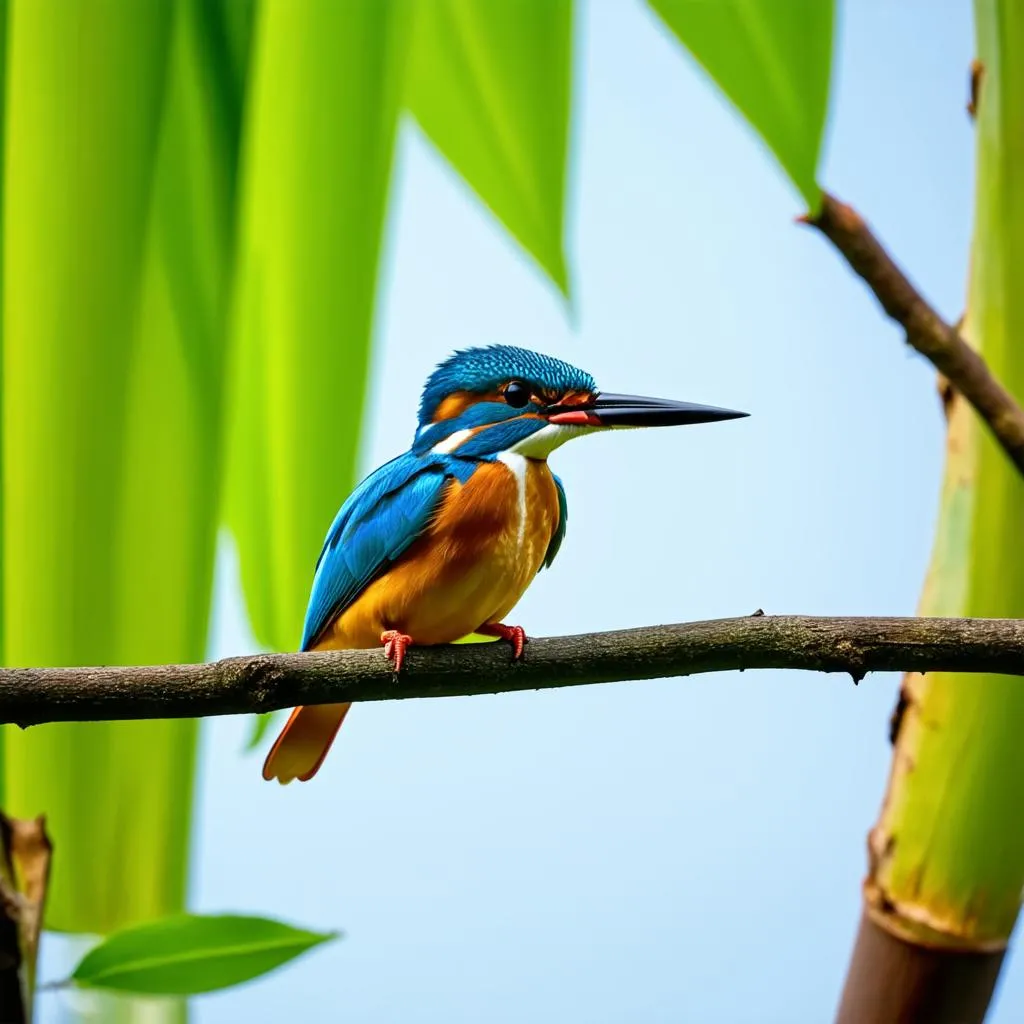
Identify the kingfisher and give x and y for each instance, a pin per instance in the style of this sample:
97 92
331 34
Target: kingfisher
442 541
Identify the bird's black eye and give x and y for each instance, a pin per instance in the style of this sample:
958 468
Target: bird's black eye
517 394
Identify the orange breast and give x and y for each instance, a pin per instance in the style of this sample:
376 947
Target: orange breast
480 553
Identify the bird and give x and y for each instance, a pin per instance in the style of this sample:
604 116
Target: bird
442 541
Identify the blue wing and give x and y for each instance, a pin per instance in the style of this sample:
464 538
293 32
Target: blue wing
559 534
380 519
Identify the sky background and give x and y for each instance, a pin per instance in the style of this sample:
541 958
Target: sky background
676 850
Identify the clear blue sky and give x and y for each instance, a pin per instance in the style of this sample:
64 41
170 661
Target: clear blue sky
679 850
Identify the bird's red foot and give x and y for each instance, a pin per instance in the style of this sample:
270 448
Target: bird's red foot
395 644
515 635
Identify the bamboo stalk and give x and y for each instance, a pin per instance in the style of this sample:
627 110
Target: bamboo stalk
946 857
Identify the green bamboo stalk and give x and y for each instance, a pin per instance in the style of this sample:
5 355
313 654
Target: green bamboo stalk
946 867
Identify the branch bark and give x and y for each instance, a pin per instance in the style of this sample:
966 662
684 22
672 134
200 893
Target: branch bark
933 337
266 682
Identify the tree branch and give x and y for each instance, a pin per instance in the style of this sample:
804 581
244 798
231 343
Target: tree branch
266 682
927 332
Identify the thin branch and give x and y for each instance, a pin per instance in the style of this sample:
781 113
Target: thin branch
266 682
926 330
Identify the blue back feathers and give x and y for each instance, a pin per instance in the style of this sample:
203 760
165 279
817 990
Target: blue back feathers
483 369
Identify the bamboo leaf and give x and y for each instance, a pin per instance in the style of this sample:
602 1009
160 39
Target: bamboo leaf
772 59
189 954
327 77
949 844
490 84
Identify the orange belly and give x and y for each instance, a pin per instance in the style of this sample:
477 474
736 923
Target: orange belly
471 567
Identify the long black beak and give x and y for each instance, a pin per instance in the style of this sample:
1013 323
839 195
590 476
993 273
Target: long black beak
634 411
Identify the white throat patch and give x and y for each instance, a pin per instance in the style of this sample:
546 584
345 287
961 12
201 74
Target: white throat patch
541 443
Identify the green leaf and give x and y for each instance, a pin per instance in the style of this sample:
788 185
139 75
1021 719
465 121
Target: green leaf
490 84
324 100
189 953
772 58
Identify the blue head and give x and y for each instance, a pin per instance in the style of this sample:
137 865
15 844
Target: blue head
481 402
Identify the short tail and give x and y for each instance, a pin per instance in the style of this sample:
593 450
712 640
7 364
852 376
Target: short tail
304 741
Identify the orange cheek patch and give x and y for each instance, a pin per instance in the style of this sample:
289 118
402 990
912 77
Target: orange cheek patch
576 398
459 401
453 405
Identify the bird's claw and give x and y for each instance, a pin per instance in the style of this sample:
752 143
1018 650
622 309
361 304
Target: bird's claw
515 635
395 644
